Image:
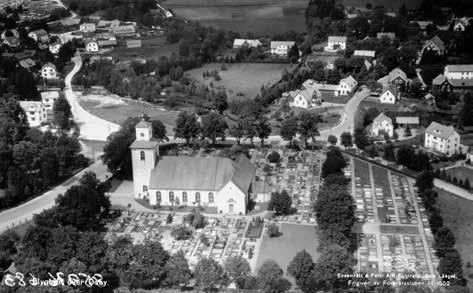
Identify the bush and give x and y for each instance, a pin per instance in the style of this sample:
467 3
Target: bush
181 232
274 157
273 230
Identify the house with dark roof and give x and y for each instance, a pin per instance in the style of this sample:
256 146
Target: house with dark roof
214 182
442 139
397 77
435 45
39 35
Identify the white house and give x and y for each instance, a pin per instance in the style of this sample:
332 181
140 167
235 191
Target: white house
239 43
49 71
364 53
39 35
214 182
382 123
87 27
390 95
91 45
48 99
442 139
336 43
281 48
346 86
55 47
35 112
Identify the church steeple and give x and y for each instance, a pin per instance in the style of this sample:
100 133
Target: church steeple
144 130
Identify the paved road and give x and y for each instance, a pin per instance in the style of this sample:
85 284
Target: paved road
91 126
25 212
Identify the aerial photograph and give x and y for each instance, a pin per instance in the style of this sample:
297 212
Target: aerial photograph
253 146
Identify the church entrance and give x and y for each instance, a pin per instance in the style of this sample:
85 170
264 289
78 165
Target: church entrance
230 209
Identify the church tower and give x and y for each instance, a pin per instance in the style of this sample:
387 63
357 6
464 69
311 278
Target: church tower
144 156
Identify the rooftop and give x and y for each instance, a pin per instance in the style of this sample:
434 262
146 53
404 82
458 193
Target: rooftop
337 39
440 130
407 120
459 67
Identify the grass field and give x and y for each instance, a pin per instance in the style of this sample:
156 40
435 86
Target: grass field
264 17
457 215
282 249
151 49
461 173
119 111
242 80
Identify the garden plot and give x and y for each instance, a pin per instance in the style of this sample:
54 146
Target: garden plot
363 198
404 200
384 199
367 253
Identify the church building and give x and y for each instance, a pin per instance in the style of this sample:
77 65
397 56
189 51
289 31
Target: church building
215 182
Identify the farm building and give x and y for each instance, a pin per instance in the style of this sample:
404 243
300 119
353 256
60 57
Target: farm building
412 122
239 43
133 43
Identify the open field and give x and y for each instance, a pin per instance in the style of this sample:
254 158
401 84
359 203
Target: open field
117 111
264 17
461 173
243 80
457 215
153 48
282 249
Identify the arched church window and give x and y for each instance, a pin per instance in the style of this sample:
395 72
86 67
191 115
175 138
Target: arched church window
142 155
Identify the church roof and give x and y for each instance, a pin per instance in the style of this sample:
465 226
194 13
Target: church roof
201 173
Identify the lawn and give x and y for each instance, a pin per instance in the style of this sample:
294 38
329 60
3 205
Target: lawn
241 80
117 110
282 249
263 17
153 48
457 215
461 173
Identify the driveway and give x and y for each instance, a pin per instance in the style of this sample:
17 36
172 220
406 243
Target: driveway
25 212
91 127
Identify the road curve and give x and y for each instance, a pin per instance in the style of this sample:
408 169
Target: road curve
20 214
91 126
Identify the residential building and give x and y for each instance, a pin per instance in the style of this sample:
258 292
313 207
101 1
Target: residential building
336 43
397 78
239 43
306 97
403 122
70 22
434 45
48 98
55 47
91 45
214 182
10 33
27 63
281 48
458 71
124 30
11 42
49 71
390 95
107 43
35 112
364 53
382 123
423 24
133 43
87 27
457 77
442 139
39 35
346 86
460 24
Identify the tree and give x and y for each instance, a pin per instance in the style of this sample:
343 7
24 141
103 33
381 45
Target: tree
220 102
213 126
187 127
361 138
209 274
147 267
8 244
274 157
289 129
334 260
444 240
181 232
237 131
237 268
425 181
270 278
82 206
116 152
389 152
293 54
262 128
332 139
308 123
300 268
273 230
280 203
451 264
49 165
334 162
177 270
346 139
250 129
62 113
159 130
407 131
